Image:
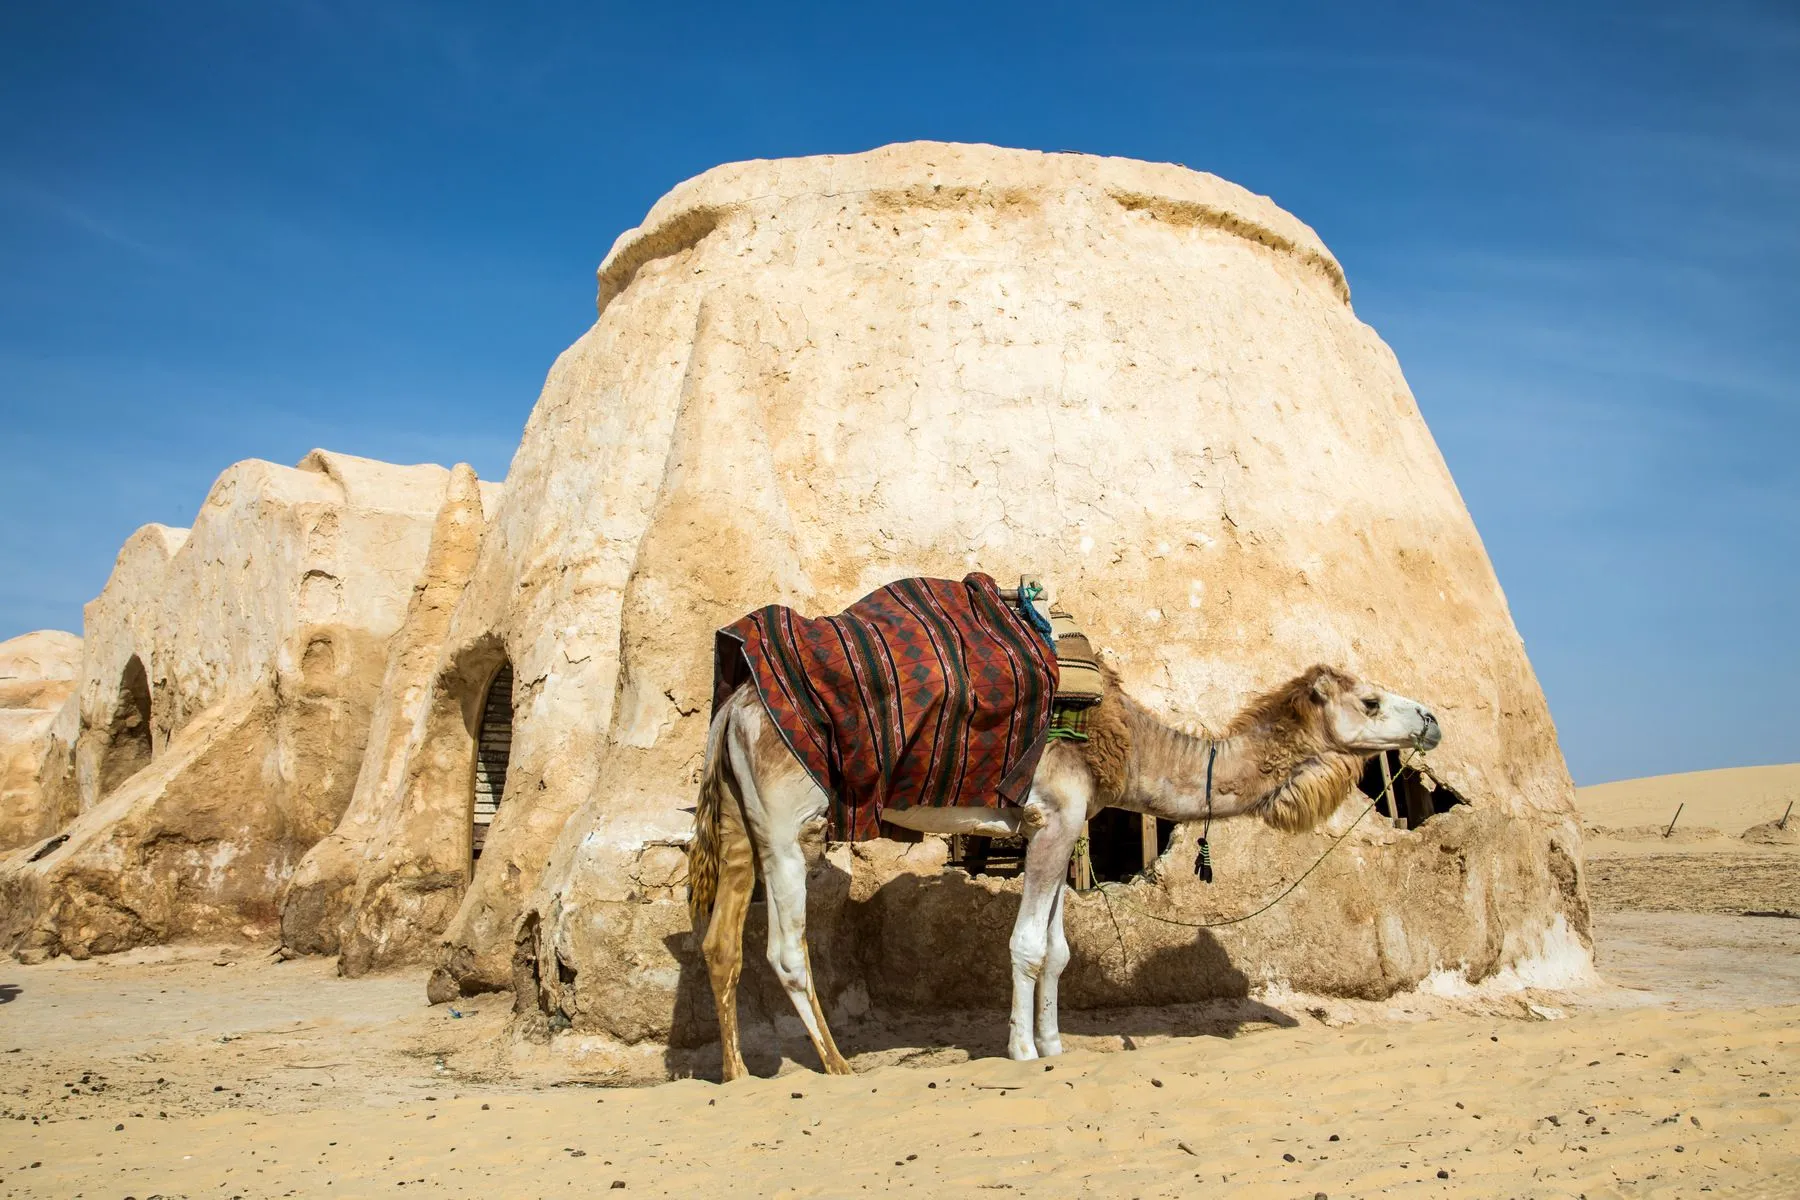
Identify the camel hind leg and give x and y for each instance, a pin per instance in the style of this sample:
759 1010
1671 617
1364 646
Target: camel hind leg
723 946
779 798
784 874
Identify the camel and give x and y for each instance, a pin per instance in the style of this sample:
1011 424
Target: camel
1291 757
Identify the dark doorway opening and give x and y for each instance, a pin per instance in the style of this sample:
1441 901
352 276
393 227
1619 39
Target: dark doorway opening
493 753
1405 794
1002 857
1123 845
128 747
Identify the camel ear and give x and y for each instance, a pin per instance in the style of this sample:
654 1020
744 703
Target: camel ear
1324 686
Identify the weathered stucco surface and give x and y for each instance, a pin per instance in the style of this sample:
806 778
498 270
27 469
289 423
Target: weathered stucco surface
388 878
227 678
809 377
37 677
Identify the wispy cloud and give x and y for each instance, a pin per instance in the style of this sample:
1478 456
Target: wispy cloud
37 199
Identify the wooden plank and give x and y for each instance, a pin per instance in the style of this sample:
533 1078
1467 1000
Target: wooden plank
1396 814
1147 827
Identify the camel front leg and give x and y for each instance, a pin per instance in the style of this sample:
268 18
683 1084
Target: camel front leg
1046 866
1049 1032
723 946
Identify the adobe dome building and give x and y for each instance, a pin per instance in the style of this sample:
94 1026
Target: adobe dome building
810 377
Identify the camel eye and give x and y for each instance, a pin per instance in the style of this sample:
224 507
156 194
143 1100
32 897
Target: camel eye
1372 705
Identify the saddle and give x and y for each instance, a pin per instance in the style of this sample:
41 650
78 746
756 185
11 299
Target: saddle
1086 710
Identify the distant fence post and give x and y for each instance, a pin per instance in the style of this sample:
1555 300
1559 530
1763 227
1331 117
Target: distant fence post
1675 818
1786 815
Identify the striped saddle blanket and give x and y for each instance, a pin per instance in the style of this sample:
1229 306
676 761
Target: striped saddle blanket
924 692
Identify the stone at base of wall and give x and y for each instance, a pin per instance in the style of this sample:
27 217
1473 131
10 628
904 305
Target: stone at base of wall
441 988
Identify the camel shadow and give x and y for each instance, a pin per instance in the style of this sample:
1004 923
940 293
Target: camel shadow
9 992
921 966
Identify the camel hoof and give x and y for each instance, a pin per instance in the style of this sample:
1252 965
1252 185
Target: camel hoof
1049 1047
1021 1051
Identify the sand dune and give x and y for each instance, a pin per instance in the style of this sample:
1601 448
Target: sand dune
1724 855
1730 800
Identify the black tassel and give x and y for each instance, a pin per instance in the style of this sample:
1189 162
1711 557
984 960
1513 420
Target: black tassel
1203 864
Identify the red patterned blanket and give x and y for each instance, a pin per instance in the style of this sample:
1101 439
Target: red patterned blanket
924 692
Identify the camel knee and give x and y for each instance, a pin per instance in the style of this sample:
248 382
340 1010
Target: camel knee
722 946
1030 951
721 967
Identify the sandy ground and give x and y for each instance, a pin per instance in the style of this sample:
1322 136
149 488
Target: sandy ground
223 1072
194 1073
1709 841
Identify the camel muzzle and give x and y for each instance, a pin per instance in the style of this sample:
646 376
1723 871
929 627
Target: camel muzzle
1431 733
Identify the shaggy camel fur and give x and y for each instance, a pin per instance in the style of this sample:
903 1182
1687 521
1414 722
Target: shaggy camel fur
1290 758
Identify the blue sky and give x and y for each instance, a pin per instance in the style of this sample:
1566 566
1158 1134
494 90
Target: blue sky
234 230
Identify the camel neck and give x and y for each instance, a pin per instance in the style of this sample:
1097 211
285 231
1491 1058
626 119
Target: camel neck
1166 776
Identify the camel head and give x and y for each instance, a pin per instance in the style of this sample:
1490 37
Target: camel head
1315 732
1363 719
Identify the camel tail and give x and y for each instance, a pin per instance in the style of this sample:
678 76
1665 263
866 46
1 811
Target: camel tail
704 851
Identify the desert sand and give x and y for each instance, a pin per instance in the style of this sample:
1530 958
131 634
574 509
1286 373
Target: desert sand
1726 853
195 1071
1730 800
1638 1101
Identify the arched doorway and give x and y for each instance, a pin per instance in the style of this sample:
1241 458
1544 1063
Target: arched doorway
493 751
127 748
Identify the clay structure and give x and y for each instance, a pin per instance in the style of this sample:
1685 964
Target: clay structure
808 378
227 680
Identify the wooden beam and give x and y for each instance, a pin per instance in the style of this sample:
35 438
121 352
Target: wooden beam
1396 814
1148 826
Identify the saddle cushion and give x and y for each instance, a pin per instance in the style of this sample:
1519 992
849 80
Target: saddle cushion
924 692
1078 679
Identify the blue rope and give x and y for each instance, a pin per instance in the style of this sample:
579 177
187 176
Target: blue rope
1034 618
